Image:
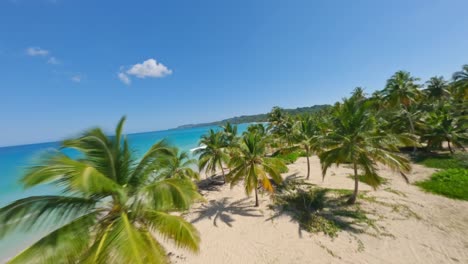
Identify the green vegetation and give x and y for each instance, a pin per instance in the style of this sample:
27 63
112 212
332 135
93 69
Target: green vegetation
357 138
321 210
374 182
289 157
113 203
441 161
260 117
250 164
213 154
452 183
111 206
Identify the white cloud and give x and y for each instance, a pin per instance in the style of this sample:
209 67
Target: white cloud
36 51
124 78
76 78
148 69
53 60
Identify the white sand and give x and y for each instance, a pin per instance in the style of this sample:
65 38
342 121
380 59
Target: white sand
233 231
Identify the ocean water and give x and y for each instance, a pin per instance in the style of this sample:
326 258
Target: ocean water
14 160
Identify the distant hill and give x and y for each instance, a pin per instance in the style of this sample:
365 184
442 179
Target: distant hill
257 118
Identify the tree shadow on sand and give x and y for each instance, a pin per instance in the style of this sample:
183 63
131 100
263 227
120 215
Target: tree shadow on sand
213 183
320 210
223 210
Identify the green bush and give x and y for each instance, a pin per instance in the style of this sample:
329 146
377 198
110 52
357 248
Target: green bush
288 158
452 183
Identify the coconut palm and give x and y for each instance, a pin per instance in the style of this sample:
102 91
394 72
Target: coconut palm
437 88
306 135
460 83
402 92
357 139
109 208
440 125
230 134
177 165
251 165
212 154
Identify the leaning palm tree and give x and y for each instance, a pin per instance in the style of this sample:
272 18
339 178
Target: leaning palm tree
306 135
357 139
110 207
212 154
251 164
177 165
460 82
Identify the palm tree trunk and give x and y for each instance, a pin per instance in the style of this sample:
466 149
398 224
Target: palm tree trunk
413 131
256 197
308 164
222 170
353 197
450 148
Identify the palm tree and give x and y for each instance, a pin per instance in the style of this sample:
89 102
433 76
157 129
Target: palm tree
177 165
109 209
460 82
213 152
402 92
437 88
357 139
440 125
230 133
253 166
306 135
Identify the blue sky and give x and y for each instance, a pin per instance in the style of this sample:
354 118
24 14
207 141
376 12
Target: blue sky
197 61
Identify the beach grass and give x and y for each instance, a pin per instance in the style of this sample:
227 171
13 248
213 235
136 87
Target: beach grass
452 183
443 161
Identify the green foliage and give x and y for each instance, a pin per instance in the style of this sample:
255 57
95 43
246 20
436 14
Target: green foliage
320 210
250 164
452 183
111 205
358 138
289 157
373 181
260 117
441 161
213 153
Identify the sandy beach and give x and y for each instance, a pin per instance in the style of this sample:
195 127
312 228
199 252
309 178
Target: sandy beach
417 228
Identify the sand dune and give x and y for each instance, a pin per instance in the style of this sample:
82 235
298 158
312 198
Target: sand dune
434 229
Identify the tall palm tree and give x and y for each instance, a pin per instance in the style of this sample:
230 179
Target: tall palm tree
460 82
177 165
306 135
437 88
253 166
109 209
357 139
213 153
402 92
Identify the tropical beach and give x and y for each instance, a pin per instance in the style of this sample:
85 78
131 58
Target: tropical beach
233 132
233 231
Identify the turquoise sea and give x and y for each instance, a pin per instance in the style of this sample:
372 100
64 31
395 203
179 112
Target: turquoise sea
13 161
